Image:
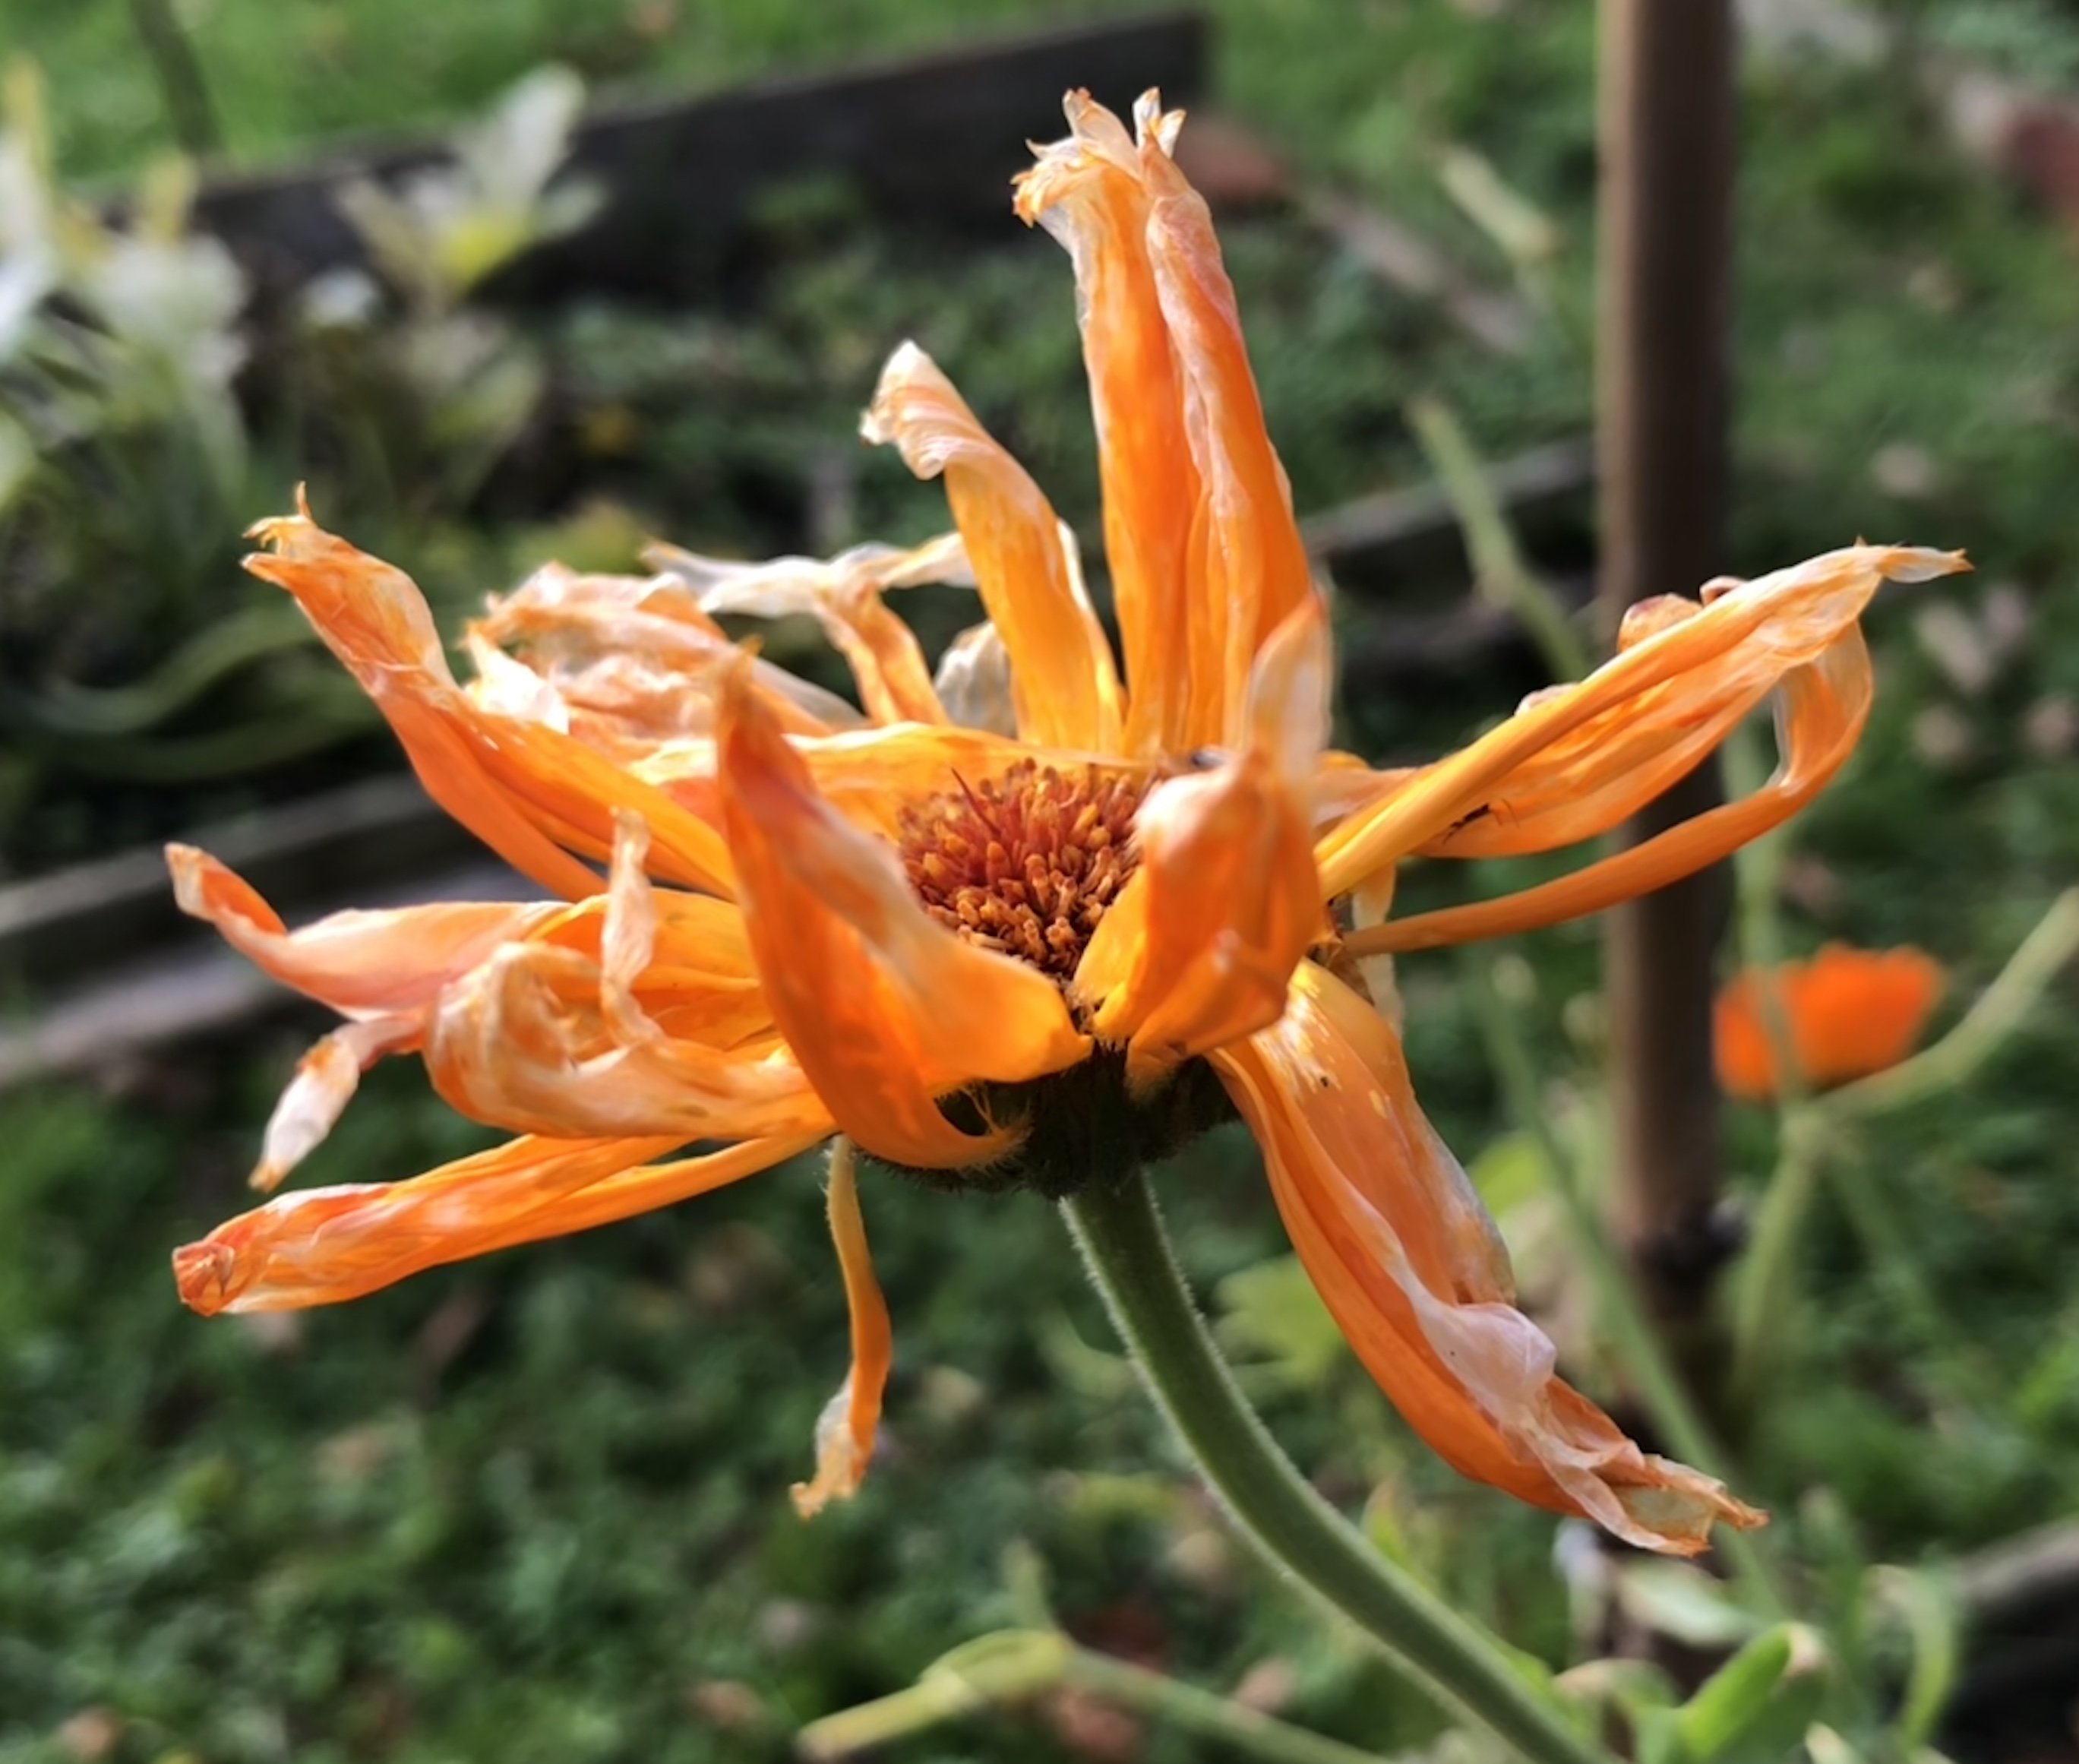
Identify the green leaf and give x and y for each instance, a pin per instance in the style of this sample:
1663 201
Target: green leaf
1657 1734
1674 1599
1510 1172
1933 1622
1729 1702
1827 1746
1272 1309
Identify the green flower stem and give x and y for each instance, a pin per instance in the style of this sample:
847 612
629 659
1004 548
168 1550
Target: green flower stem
1014 1665
1996 1016
1005 1667
1127 1253
1618 1310
1813 1133
1210 1717
1764 1295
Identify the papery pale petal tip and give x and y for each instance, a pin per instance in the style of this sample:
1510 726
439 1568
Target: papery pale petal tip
1675 1514
1152 124
1095 137
840 1469
184 864
879 423
1921 564
275 531
1887 562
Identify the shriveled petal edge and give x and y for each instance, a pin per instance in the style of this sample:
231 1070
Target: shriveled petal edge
1302 1085
1824 706
324 1245
1795 613
846 1430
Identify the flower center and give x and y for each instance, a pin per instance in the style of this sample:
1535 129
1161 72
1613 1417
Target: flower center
1026 863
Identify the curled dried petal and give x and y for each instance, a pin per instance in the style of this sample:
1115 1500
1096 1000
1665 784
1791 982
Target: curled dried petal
846 1430
322 1245
1581 758
1401 1251
1062 680
886 1009
1198 948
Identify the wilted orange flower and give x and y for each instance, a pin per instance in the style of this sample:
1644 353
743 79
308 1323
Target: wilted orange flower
1024 922
1848 1012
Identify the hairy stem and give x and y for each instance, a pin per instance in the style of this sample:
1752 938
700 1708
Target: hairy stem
1127 1253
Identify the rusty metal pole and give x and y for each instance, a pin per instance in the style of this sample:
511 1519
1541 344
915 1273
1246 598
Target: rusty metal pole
1667 144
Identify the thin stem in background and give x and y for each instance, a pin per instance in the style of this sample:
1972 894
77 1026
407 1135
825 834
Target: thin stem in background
1764 1295
1500 573
1998 1013
1645 1362
1210 1717
1814 1132
182 84
1014 1665
1127 1253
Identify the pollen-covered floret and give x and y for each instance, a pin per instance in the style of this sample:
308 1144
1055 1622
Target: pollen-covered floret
1026 863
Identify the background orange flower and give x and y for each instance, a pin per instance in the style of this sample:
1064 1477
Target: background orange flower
1847 1013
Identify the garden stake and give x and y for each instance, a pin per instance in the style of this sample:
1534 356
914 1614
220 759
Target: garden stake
1666 128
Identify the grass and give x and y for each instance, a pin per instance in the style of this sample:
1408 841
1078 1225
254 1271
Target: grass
535 1508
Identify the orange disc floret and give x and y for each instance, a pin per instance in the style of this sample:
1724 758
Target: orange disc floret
1848 1012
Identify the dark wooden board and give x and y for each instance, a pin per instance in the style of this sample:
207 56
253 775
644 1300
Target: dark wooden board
933 140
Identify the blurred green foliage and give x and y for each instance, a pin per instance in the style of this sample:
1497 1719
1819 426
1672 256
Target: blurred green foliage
535 1508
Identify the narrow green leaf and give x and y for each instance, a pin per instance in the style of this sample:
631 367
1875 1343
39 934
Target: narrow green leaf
1934 1622
1674 1599
1827 1746
1730 1701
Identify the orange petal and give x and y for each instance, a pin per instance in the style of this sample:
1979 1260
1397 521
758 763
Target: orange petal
1575 744
844 595
354 961
1849 1012
1402 1251
1062 680
321 1245
1088 190
886 1009
872 776
1198 948
528 789
1248 565
846 1430
1824 706
545 1037
628 657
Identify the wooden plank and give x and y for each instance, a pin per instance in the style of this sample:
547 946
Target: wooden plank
93 917
1373 545
380 832
197 986
932 140
101 966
